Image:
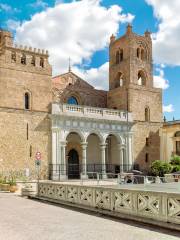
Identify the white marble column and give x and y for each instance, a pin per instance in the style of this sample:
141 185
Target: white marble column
121 158
103 159
130 161
84 160
63 161
56 154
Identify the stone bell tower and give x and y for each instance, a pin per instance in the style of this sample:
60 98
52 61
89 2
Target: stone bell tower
131 88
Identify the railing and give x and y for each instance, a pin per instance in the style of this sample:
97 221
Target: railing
85 111
151 206
74 171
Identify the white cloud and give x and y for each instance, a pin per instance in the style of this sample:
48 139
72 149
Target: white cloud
159 80
5 7
98 77
77 29
39 4
168 108
166 40
12 24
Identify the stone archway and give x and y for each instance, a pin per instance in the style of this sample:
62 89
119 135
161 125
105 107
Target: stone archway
73 165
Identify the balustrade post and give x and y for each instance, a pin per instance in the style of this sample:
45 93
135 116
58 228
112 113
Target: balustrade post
84 160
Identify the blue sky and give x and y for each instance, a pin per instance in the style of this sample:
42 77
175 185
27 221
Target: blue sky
148 14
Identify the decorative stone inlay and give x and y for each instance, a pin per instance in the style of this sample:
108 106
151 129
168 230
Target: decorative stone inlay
103 199
148 204
123 200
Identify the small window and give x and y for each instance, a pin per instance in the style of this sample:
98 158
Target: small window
33 61
121 55
141 78
147 114
13 57
41 62
119 81
27 131
27 101
147 142
147 157
72 100
23 59
30 151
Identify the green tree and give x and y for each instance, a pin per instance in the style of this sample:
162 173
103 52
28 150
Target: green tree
159 168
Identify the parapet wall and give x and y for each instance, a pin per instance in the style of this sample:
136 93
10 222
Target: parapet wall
158 208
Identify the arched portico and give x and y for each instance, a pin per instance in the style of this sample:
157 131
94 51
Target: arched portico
95 145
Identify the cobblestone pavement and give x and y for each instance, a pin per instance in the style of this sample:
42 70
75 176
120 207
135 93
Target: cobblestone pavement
24 219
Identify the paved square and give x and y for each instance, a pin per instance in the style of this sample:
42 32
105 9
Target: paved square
24 219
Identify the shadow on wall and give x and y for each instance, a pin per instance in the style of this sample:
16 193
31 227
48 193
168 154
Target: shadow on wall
149 152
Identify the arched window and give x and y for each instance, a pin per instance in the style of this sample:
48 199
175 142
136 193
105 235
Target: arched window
119 80
141 78
27 101
41 62
72 100
117 57
33 61
147 114
177 134
23 59
121 55
13 56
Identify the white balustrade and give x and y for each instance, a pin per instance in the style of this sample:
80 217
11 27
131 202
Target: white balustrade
91 112
160 206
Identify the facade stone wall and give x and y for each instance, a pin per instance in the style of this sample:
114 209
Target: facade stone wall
69 84
24 130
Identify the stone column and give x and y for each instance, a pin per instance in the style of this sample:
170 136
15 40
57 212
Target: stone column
56 155
121 158
130 160
103 159
63 161
84 160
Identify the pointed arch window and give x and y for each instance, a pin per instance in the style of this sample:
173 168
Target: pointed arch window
27 101
121 55
141 78
119 80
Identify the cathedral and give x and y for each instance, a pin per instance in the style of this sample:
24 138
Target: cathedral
78 129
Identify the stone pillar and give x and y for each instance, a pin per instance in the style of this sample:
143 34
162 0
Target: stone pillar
55 154
121 158
103 159
63 161
130 160
84 160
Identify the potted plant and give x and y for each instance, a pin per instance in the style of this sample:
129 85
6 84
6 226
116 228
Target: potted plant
13 186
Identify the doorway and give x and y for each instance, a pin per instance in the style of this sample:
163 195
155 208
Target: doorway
73 165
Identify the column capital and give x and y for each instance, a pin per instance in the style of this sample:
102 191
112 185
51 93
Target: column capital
84 144
63 143
103 145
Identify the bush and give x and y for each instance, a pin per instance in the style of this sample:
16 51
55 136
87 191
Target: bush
159 168
175 160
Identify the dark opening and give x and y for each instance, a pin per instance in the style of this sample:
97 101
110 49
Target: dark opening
26 101
73 165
